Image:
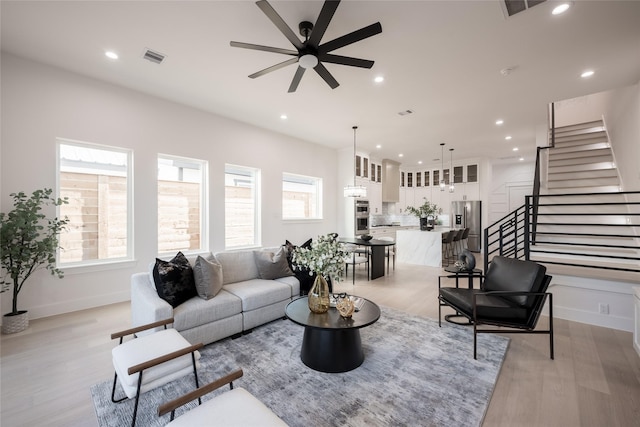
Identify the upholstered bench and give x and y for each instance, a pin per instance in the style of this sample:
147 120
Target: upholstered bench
236 407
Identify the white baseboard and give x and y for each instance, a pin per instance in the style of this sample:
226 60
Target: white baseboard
593 318
77 305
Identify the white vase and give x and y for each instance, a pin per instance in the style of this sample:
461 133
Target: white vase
14 323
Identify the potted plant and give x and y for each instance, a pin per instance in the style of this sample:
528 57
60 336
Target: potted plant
325 258
28 242
423 212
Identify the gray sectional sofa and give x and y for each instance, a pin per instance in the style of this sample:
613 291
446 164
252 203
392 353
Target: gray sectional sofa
245 301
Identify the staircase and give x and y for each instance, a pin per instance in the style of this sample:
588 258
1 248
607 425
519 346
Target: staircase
583 219
582 161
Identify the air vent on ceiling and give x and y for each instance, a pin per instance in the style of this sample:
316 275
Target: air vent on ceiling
155 57
405 112
511 7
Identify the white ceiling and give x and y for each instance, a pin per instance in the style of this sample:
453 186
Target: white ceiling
440 59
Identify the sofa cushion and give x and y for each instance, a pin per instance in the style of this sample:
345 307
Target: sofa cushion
237 266
272 265
207 275
487 306
258 293
291 281
174 280
198 311
509 274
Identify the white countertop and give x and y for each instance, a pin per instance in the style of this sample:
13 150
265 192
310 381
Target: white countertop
420 247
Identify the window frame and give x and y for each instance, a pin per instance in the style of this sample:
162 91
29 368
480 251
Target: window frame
319 214
130 246
257 201
203 199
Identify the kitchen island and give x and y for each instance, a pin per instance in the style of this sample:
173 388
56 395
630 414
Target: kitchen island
420 247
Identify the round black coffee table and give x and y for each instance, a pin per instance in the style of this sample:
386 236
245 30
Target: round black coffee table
331 343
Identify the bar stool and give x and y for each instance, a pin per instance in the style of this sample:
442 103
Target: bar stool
447 241
456 243
464 241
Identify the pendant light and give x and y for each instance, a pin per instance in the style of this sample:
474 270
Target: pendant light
452 176
355 190
442 165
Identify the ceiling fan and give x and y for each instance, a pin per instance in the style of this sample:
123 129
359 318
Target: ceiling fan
310 53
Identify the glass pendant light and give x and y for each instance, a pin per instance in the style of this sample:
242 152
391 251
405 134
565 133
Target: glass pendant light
452 176
355 190
442 165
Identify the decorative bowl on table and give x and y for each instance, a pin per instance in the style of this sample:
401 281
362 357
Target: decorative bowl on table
366 237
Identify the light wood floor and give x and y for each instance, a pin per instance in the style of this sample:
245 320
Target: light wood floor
47 370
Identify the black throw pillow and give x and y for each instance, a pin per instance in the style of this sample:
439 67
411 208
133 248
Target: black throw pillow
174 280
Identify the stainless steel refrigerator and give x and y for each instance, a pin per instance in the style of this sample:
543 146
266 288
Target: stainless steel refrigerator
468 214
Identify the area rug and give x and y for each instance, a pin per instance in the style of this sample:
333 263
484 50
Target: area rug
414 373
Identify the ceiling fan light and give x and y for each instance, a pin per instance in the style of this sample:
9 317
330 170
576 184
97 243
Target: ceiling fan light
308 61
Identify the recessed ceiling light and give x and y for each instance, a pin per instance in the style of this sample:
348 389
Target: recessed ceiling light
378 79
561 8
419 162
499 122
400 155
378 146
110 54
521 158
508 137
515 148
587 73
284 117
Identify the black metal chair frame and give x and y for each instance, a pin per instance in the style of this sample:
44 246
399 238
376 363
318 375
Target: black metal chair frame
518 328
151 363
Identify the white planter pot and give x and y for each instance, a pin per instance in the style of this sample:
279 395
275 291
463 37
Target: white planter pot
12 324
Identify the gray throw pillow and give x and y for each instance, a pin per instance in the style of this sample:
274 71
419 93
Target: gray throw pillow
272 265
207 273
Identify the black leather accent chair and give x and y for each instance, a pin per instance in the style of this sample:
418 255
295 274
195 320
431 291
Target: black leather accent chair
511 295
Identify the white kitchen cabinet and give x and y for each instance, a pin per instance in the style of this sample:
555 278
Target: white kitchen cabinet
374 194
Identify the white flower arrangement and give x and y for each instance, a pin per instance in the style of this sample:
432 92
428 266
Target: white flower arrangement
325 257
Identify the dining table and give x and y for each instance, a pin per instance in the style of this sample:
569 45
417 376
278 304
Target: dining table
378 248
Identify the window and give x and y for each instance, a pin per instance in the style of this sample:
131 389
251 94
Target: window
241 206
182 206
96 181
301 197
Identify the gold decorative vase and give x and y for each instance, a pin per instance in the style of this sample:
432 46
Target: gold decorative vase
319 295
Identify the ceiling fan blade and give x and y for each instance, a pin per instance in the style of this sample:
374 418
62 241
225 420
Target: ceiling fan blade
350 38
326 14
264 48
273 68
345 60
279 22
296 79
326 75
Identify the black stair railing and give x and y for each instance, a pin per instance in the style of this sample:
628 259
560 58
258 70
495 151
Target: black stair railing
600 233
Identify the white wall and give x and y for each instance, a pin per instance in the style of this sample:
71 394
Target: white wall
41 103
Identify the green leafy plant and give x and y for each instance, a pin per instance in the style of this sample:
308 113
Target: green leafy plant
425 210
28 240
325 257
